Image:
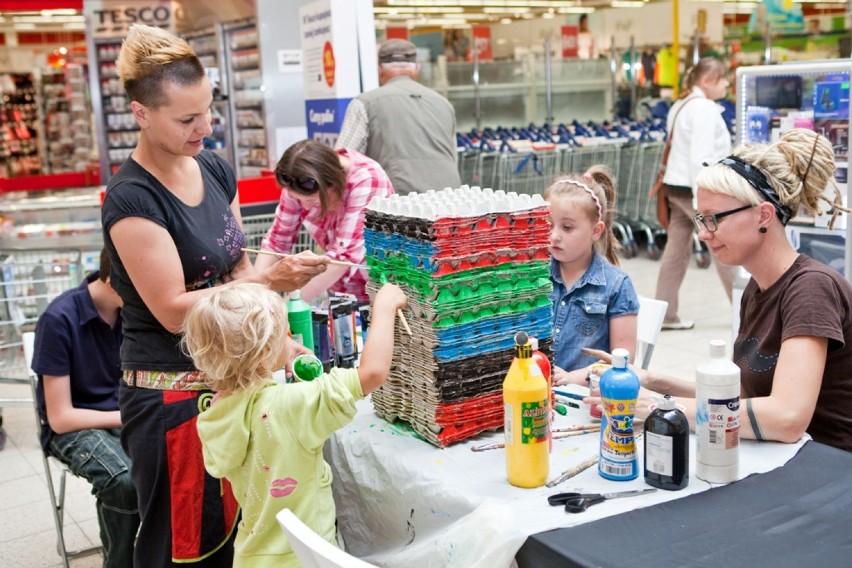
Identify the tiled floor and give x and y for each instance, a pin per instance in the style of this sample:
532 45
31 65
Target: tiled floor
27 536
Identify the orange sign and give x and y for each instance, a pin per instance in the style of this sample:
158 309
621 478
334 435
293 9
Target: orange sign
482 42
570 34
328 63
396 32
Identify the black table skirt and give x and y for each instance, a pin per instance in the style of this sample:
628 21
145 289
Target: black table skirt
797 515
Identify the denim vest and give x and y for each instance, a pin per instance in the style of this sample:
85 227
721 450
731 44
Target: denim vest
581 315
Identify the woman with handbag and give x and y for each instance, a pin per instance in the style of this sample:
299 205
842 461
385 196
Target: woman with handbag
697 134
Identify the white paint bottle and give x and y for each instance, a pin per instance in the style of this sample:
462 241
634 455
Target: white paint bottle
717 417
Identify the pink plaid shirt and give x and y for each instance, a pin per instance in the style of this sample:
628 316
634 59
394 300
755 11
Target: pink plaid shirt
341 233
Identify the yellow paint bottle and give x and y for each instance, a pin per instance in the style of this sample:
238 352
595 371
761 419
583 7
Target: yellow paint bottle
526 419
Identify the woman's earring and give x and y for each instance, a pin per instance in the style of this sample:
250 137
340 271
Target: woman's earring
762 229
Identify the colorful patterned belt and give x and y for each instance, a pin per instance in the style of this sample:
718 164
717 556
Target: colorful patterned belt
167 380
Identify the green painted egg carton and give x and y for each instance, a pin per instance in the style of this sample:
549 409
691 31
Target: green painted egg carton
471 283
478 308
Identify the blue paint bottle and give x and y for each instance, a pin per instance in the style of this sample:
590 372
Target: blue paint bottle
619 390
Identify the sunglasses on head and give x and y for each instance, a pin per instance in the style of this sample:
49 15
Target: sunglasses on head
305 184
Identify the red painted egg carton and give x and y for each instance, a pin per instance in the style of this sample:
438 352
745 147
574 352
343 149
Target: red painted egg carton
452 265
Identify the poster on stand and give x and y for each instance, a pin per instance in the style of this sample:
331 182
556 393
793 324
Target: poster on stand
482 43
570 46
330 60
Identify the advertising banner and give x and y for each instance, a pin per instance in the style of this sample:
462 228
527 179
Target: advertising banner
330 65
482 43
782 16
569 41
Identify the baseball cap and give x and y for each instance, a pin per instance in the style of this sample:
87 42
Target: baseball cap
397 50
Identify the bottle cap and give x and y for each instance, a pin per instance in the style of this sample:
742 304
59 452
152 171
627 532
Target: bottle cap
717 348
295 295
620 356
534 343
664 402
521 338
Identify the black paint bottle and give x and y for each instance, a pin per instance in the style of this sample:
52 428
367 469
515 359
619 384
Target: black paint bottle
667 447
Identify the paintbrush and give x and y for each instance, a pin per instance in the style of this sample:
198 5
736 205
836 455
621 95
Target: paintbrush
282 255
497 445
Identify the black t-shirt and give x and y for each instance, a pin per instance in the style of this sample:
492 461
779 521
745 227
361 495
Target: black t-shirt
208 239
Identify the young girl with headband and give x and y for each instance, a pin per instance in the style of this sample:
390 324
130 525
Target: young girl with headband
594 302
794 345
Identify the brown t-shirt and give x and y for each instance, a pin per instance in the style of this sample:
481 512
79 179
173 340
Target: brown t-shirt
810 299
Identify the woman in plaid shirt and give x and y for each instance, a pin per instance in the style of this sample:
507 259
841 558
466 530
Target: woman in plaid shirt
327 191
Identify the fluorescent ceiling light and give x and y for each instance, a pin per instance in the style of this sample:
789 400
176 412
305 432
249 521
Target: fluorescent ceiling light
54 20
488 3
59 12
506 10
627 4
418 10
578 10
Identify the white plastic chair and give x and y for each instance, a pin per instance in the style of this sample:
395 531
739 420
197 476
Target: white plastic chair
311 549
649 322
57 501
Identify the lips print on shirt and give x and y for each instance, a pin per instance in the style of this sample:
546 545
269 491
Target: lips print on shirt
283 487
748 351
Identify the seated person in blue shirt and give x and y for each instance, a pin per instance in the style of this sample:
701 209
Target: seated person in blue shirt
594 302
76 357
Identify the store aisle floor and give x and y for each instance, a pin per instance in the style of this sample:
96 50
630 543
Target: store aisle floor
27 536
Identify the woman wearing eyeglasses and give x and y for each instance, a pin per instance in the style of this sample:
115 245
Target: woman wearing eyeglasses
327 191
794 345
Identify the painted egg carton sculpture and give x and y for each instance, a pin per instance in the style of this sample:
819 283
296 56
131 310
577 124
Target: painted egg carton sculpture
474 264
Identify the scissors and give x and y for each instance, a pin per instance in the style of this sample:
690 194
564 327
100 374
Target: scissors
579 502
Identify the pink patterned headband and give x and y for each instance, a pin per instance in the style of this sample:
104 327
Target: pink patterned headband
588 190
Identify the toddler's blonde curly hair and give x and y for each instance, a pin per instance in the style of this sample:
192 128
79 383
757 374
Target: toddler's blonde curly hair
236 335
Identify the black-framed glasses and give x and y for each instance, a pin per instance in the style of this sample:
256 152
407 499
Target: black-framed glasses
711 222
305 184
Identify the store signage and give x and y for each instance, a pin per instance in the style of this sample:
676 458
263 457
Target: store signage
111 18
396 32
482 42
570 45
782 17
330 65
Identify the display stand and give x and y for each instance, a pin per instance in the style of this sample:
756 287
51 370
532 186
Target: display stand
774 98
118 132
19 126
68 139
209 47
249 132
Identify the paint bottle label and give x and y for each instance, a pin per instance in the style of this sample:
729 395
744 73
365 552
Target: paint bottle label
667 447
723 423
619 389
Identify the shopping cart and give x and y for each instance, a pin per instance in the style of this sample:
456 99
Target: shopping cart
255 228
579 159
529 172
627 201
29 280
643 212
